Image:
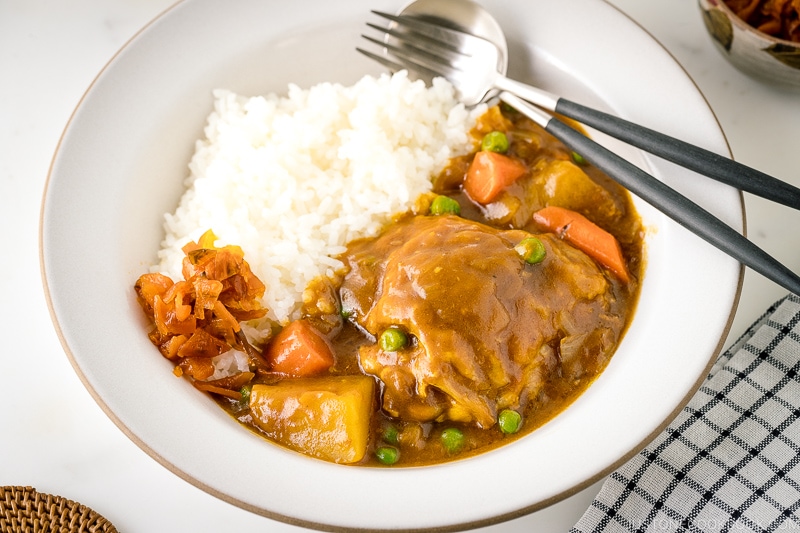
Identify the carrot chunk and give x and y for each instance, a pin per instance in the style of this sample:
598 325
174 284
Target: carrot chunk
299 350
490 173
585 235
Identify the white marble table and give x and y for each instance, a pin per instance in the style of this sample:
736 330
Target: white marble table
52 434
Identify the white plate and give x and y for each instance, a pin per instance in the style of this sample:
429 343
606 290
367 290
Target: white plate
120 166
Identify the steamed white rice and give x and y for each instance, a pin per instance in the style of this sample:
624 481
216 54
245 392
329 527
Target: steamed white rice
291 179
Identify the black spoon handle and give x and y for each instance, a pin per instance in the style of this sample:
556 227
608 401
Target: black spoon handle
676 206
687 155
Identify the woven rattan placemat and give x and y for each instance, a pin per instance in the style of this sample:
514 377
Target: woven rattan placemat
23 510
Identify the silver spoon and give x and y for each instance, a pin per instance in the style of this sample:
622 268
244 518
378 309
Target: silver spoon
417 27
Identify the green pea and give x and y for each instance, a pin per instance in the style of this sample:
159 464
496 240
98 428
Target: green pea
387 455
392 340
391 434
245 392
531 250
495 141
578 158
509 421
444 205
453 440
244 400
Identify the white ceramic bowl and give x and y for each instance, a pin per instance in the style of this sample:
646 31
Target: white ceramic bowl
120 166
757 54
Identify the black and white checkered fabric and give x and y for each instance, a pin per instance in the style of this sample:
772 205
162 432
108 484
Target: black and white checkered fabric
731 460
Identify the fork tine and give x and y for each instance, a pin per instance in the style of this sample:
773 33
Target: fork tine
383 60
403 63
434 62
415 37
456 39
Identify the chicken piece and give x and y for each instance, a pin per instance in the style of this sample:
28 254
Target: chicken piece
483 323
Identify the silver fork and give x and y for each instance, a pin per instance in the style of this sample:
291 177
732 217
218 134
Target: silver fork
432 50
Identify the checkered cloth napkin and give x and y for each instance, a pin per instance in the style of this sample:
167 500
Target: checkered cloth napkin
730 461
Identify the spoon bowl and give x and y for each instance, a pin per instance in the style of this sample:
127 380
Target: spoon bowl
463 15
472 19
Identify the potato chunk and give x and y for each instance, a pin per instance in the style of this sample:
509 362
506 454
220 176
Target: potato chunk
566 185
325 417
